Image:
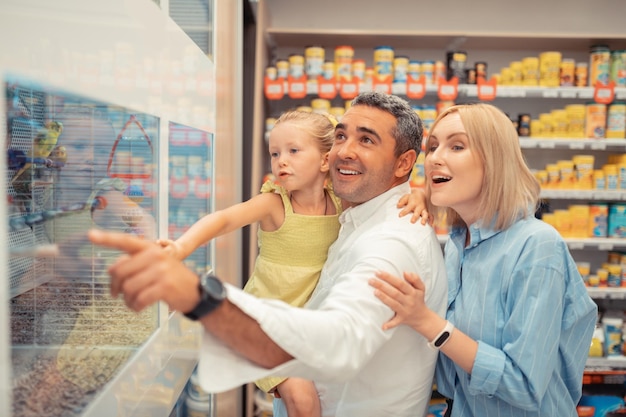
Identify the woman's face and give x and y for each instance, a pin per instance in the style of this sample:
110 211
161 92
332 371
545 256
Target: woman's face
454 172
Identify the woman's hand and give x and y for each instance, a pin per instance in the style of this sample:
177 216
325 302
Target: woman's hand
404 296
415 203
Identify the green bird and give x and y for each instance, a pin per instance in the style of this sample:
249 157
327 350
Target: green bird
44 142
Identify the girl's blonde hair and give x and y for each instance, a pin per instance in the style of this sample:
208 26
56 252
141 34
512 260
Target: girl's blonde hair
509 189
320 126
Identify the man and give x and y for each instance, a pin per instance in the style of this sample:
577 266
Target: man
337 341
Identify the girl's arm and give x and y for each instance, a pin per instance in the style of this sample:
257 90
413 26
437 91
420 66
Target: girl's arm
260 207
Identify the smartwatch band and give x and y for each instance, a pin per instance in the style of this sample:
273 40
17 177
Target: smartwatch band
443 336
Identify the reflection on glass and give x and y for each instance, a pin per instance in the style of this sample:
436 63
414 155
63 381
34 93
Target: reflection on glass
190 173
73 164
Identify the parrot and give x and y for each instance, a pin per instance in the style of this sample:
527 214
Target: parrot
44 142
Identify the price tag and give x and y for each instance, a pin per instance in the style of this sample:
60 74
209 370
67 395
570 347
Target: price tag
604 94
598 146
382 84
551 93
546 144
568 94
274 89
577 145
349 90
576 245
326 88
416 89
486 89
605 246
448 90
297 86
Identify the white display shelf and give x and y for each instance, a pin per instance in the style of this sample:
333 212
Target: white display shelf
614 363
600 243
573 144
618 293
590 195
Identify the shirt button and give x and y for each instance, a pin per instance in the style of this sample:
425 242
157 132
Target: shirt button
474 245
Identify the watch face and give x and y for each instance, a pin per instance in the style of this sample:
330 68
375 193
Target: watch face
213 286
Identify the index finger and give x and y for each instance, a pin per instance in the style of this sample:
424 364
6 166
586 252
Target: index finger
116 240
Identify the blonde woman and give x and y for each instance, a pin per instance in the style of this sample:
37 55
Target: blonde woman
516 334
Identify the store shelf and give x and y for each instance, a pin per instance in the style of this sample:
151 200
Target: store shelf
599 243
598 293
296 37
573 144
611 195
614 363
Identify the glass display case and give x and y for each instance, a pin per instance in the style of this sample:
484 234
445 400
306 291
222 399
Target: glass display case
96 119
72 164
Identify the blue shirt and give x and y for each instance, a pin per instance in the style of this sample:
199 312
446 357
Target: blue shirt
519 294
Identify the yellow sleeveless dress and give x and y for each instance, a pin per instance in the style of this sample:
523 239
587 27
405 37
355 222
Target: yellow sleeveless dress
290 258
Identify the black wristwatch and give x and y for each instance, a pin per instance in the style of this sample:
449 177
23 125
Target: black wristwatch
212 293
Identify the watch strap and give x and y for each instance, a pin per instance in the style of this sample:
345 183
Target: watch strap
441 338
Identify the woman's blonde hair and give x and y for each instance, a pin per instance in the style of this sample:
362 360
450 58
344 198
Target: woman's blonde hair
509 189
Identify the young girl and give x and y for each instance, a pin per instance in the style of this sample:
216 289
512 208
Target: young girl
519 321
298 219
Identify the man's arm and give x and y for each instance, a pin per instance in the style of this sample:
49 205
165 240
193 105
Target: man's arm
244 335
147 274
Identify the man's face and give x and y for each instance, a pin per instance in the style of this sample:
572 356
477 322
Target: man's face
362 160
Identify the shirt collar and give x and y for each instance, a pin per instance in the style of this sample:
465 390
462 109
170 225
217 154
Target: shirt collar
357 215
477 232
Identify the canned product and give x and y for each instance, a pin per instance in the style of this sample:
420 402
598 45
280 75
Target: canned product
400 69
598 220
328 70
358 69
575 120
567 176
439 71
282 68
343 61
428 71
618 68
415 69
523 124
568 71
583 168
383 60
455 65
530 71
611 176
550 69
296 65
599 64
599 181
559 123
617 220
595 120
314 61
481 69
320 105
470 76
616 121
517 72
581 74
271 73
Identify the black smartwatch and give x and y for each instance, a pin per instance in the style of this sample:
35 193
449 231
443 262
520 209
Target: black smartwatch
212 293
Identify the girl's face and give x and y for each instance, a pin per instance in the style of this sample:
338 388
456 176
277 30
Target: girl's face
454 172
297 162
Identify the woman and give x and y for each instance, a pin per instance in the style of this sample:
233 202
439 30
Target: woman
519 321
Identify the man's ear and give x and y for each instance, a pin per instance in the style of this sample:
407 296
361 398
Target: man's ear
405 163
325 167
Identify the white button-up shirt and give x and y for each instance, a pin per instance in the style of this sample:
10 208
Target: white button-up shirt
337 340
